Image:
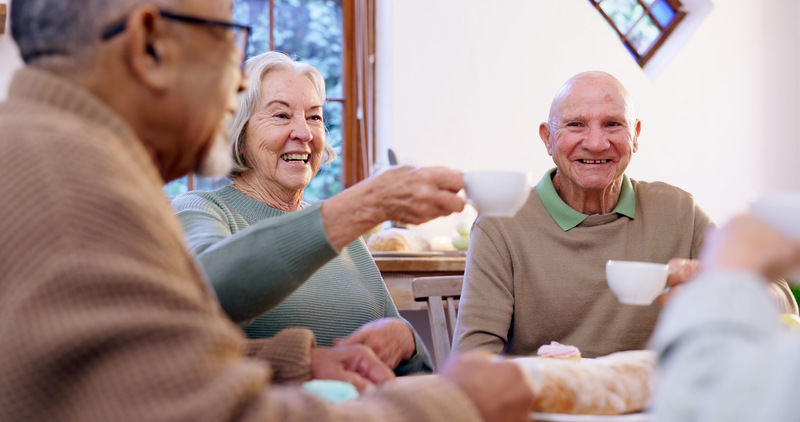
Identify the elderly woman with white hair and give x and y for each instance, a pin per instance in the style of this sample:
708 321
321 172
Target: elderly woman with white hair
278 146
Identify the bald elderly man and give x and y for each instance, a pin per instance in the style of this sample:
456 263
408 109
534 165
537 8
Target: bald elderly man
540 276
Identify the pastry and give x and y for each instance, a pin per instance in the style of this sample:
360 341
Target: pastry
556 350
396 239
618 383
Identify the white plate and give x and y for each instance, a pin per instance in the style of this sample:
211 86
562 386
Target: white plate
415 254
563 417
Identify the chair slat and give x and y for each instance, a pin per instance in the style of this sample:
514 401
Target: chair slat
435 291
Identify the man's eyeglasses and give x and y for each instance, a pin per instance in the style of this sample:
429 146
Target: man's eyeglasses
241 33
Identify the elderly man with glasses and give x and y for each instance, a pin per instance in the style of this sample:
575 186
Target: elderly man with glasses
104 315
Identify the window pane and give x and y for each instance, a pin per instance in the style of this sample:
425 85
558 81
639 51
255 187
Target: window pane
176 187
663 13
624 13
649 2
328 181
256 14
311 30
644 35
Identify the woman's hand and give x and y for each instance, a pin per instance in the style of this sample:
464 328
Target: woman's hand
390 338
400 193
355 364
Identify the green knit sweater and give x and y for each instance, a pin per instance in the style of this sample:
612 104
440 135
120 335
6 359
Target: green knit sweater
240 258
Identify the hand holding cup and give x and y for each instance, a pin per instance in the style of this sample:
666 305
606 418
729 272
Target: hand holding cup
636 283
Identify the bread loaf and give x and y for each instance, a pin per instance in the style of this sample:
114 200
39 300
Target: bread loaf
396 239
610 385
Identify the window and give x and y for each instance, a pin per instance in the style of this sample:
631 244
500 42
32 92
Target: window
642 25
335 37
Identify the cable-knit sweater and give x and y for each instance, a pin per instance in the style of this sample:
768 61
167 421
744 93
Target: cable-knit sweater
104 315
344 294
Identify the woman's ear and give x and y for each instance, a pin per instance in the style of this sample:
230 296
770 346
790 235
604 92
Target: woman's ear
148 47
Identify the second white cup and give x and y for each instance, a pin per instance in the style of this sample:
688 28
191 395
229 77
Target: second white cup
636 283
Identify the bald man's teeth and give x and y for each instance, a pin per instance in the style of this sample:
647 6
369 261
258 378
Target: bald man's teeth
593 161
295 157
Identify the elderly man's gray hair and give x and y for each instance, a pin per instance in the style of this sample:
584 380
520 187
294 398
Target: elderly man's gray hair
256 68
43 28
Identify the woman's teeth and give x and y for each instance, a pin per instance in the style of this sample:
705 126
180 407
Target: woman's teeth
295 157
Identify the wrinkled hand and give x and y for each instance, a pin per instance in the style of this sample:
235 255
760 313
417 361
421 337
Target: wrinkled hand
680 271
501 390
390 338
400 193
417 194
747 243
355 364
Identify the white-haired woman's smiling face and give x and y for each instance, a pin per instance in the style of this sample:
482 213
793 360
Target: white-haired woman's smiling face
285 137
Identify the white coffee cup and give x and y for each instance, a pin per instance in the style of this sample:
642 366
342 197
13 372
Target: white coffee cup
781 211
635 282
496 193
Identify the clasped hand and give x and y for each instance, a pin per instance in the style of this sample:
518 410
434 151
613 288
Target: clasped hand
356 364
390 338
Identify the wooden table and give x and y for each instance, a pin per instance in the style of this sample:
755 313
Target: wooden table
398 272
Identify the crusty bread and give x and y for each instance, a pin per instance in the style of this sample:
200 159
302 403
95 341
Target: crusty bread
397 240
610 385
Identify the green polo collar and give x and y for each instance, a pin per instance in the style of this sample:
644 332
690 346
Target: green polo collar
565 216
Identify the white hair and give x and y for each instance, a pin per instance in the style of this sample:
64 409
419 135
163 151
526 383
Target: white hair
256 69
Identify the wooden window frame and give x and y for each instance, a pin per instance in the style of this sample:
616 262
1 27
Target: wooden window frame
642 60
358 120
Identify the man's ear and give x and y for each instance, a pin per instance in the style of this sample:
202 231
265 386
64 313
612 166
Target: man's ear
637 130
544 133
149 48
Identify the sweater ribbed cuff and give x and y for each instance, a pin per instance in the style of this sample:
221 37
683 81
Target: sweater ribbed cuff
288 353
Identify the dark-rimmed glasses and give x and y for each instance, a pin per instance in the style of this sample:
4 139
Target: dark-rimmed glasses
241 33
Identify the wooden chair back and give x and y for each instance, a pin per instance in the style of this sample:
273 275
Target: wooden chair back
438 291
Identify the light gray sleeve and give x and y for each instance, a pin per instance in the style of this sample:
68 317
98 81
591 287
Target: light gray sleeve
723 354
255 269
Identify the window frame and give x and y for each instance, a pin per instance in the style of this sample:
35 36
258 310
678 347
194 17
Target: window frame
680 14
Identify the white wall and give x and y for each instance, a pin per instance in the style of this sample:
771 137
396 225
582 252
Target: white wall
9 57
465 83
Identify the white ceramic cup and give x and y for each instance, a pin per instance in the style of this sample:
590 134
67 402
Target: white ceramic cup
781 211
636 283
496 193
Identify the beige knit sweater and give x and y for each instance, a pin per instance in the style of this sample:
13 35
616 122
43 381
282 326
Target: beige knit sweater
528 282
104 315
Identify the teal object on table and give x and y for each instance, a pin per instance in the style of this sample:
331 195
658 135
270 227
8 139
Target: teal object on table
331 391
